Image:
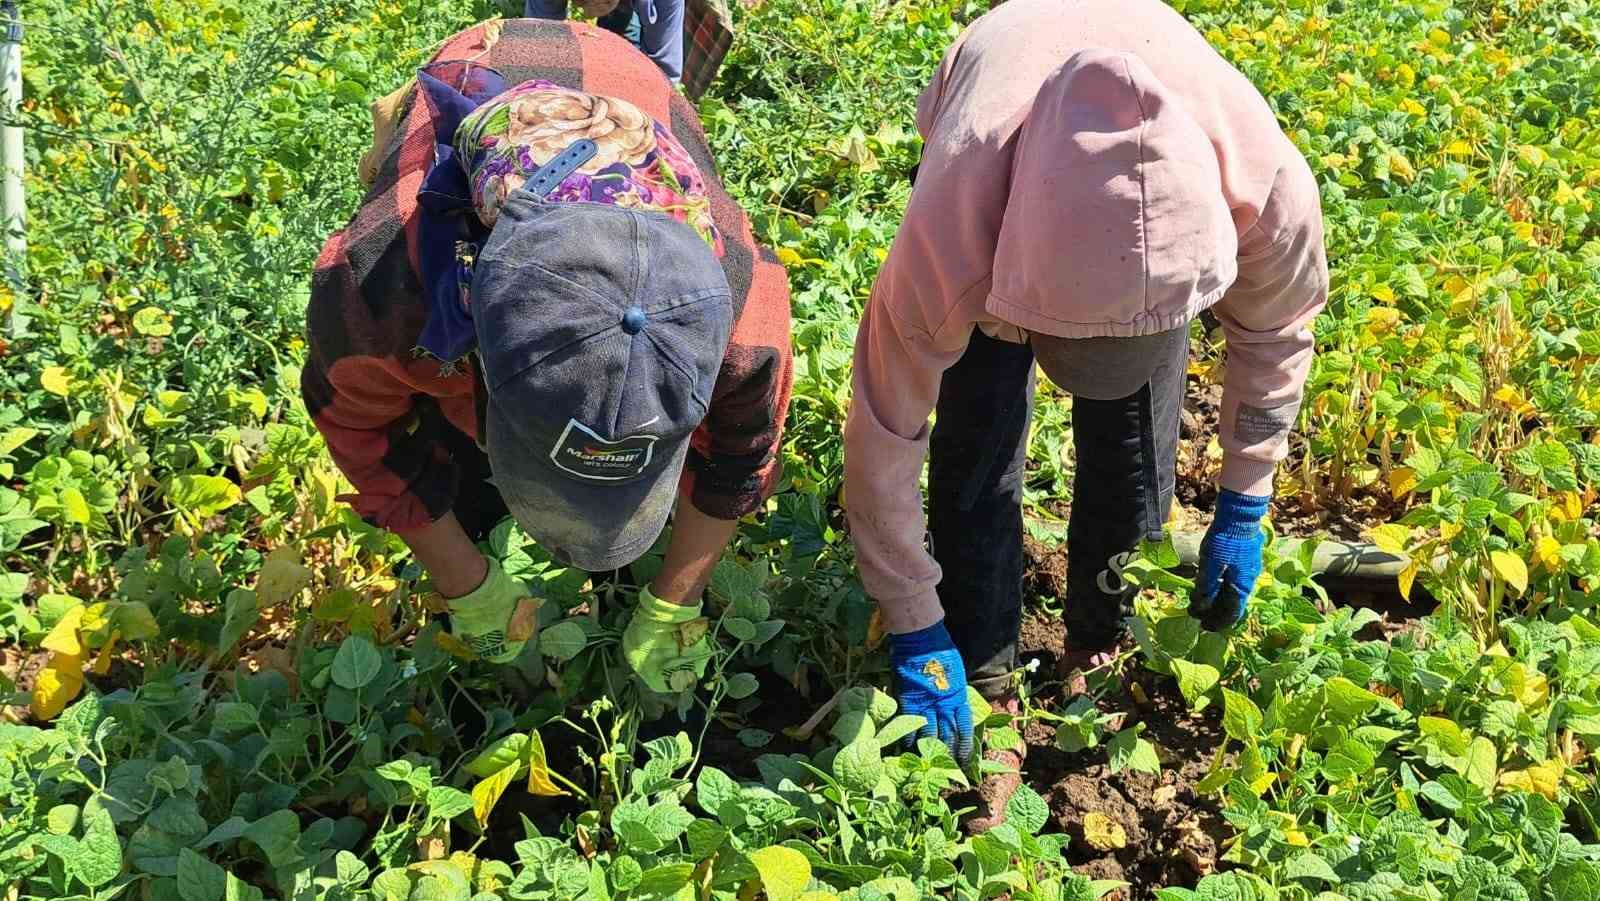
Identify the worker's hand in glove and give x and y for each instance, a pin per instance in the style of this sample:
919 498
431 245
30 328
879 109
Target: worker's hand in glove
665 643
498 618
597 8
1230 560
931 683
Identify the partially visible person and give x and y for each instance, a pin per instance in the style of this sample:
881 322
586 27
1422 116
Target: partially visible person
548 305
653 26
1094 177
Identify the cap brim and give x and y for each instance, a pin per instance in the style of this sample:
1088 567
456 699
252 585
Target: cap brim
594 527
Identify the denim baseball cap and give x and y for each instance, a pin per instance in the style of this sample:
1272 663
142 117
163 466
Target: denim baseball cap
601 330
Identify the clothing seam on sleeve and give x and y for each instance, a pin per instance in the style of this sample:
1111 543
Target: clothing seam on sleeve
961 298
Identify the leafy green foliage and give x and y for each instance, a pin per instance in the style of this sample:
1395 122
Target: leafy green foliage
252 696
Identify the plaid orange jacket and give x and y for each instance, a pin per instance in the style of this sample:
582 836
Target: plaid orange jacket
383 409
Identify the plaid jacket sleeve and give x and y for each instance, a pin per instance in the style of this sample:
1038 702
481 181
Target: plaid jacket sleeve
381 413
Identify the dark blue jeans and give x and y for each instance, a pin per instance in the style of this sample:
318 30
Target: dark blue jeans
660 38
1126 452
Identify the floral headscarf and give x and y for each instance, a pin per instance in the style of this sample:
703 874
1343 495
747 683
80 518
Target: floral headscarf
638 163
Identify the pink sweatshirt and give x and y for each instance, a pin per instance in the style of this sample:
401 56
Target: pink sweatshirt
1089 168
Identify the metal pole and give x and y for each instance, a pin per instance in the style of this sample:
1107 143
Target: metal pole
13 208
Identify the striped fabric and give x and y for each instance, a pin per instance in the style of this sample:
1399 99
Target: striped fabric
385 411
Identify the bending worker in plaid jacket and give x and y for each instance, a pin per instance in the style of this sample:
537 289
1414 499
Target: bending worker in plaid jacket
1093 177
546 286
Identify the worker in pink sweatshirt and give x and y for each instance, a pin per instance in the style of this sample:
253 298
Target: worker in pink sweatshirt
1093 177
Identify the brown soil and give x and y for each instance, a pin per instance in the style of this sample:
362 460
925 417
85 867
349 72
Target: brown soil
1045 574
22 667
1173 836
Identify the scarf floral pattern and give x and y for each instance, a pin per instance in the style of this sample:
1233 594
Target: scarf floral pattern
639 165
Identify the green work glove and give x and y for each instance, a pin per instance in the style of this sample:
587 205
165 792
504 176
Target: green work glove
666 643
497 618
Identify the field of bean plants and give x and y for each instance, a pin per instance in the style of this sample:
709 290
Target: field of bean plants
217 682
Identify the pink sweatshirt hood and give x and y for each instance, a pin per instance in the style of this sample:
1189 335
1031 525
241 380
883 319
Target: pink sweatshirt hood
1111 164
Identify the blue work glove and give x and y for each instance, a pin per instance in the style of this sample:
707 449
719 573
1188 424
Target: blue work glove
1230 560
932 684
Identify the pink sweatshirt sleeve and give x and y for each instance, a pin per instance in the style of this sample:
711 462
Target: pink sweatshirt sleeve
928 101
895 387
1266 316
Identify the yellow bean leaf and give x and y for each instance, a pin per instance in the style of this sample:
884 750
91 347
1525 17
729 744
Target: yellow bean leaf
95 617
63 639
1263 782
875 630
539 782
486 794
1463 301
15 437
784 872
1404 801
1547 553
1573 503
1542 779
1382 320
102 660
1513 400
152 321
1408 577
282 577
1510 568
56 380
1401 167
1533 688
1103 833
1383 292
1390 538
1402 481
56 686
454 646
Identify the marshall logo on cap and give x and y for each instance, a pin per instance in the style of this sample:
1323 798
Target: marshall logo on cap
586 455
